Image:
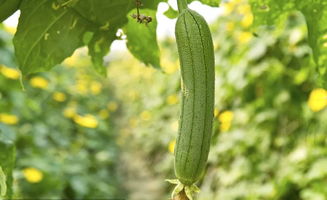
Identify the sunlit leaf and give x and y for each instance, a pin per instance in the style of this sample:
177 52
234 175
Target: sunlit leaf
142 39
46 35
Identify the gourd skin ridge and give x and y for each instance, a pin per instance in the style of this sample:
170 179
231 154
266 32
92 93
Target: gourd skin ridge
195 48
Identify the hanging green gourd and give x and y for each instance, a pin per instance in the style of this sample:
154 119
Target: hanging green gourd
195 48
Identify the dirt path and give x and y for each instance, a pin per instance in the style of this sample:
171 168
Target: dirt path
140 182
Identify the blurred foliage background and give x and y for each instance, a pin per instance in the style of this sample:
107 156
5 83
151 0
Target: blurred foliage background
81 136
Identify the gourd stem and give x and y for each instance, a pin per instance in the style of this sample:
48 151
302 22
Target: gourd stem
182 5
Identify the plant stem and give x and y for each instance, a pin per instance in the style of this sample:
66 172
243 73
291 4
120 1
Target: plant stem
182 5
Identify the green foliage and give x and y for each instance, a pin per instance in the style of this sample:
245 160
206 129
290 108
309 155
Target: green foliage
142 39
267 142
51 39
7 8
50 31
7 163
54 38
268 151
42 42
274 12
171 13
63 130
99 47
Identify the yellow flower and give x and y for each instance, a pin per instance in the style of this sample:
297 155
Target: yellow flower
59 96
170 67
88 121
225 126
96 87
70 112
145 115
228 8
244 37
244 8
247 20
225 119
171 146
226 116
81 87
172 99
8 119
104 114
216 112
317 99
112 106
39 82
32 175
9 72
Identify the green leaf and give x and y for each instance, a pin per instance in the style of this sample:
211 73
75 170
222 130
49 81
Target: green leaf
171 13
99 47
152 4
7 8
109 16
106 14
142 39
50 31
7 162
46 35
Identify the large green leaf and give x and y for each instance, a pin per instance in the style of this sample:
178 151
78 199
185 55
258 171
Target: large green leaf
106 13
7 8
46 35
142 39
108 16
7 161
152 4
